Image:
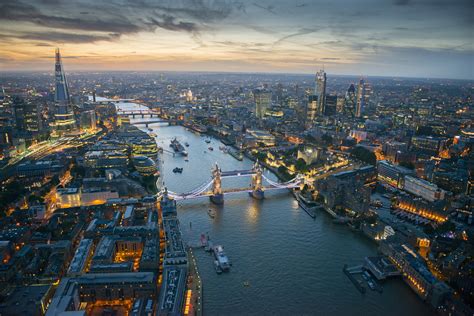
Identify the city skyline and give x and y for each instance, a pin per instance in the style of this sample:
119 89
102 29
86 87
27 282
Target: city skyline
395 38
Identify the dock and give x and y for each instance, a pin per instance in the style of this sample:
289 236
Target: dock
349 272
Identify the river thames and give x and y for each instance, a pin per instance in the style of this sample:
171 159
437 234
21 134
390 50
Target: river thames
292 263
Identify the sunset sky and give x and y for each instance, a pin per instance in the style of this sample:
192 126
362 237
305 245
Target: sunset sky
417 38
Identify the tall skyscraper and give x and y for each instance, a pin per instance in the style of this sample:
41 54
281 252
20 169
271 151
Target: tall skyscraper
350 98
311 110
320 91
64 121
331 105
362 99
263 98
27 114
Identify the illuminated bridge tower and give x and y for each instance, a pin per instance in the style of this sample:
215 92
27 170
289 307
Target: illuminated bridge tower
257 188
217 196
64 122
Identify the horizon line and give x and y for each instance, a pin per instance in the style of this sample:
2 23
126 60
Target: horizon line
236 72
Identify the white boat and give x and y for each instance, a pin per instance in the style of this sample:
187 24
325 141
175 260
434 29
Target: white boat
221 258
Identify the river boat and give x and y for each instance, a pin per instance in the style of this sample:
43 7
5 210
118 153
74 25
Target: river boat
221 257
178 148
236 154
177 170
217 267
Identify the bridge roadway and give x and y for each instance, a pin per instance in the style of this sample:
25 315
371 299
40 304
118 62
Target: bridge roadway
179 197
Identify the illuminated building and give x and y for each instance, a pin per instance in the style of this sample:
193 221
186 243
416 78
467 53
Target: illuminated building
350 97
427 144
311 110
27 114
254 138
429 210
362 98
415 273
320 92
81 257
144 165
346 191
74 197
309 154
116 286
64 121
391 174
427 190
88 121
172 294
358 135
263 100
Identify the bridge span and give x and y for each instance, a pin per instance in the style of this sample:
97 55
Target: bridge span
213 187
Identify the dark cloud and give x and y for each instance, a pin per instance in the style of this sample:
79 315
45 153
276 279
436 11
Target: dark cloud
302 31
60 37
402 2
114 19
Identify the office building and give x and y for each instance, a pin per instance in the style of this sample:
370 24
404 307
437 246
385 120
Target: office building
422 188
392 174
311 110
320 91
330 107
427 145
350 101
88 121
362 98
263 99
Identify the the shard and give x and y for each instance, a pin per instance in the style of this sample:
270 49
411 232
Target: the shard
62 92
64 122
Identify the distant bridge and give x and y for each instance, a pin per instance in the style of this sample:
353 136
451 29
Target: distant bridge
213 187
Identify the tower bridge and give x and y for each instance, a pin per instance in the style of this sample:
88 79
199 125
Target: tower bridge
213 187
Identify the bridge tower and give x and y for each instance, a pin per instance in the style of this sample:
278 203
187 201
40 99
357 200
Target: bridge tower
257 188
217 196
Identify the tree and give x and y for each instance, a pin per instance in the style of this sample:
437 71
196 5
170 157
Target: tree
327 139
300 164
364 155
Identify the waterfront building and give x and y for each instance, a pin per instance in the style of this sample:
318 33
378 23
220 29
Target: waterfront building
172 294
392 174
427 190
320 92
64 121
263 99
416 274
144 165
254 138
344 191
